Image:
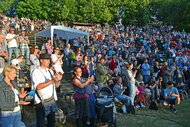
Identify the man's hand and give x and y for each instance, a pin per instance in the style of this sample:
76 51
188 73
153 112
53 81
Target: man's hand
57 77
15 36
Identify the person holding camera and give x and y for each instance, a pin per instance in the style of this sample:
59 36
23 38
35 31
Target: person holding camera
131 81
12 40
81 96
24 48
57 60
45 83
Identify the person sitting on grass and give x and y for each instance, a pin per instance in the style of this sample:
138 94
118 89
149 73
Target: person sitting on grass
118 90
171 96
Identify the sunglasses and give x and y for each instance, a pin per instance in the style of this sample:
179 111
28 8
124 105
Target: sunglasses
36 48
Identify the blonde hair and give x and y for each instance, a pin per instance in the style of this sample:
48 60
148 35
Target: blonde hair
9 68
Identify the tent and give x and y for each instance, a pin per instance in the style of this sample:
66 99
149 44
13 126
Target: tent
61 31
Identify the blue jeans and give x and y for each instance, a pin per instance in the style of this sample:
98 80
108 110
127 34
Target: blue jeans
25 52
146 78
67 65
11 119
125 99
155 94
10 51
92 112
132 92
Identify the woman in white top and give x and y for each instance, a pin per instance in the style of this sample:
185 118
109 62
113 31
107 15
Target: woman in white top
57 60
131 81
34 61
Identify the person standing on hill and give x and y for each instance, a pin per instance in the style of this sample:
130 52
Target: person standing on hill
45 83
12 41
24 48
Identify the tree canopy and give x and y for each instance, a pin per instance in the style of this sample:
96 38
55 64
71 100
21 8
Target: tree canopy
132 12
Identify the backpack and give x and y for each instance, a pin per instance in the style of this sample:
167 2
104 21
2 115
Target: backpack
153 105
130 109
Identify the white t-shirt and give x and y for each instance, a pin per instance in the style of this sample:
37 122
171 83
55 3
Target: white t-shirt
16 109
58 65
40 75
15 62
12 43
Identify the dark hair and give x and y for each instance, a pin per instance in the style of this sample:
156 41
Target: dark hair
102 58
129 64
74 70
21 56
170 83
54 49
32 49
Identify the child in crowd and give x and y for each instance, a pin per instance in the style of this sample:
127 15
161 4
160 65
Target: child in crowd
141 95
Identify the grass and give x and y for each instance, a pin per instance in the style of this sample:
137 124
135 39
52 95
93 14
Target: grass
150 118
161 118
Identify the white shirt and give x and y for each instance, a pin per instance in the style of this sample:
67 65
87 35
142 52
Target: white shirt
16 109
131 76
58 65
12 43
15 62
40 75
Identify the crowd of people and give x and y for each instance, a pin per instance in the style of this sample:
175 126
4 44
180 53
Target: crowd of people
140 66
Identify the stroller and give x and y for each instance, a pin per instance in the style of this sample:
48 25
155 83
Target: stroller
105 107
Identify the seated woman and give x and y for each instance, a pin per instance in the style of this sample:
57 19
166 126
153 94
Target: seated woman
10 96
171 96
118 90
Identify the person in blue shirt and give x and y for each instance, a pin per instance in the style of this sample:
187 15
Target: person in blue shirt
171 96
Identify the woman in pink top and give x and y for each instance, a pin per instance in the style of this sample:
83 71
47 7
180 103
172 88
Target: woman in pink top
49 47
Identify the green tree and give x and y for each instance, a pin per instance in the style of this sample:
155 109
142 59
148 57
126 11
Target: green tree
172 12
136 12
29 8
5 5
52 10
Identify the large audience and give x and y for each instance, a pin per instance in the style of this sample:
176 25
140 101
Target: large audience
141 65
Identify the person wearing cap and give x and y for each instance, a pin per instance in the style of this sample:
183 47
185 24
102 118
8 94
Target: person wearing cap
171 96
101 73
45 83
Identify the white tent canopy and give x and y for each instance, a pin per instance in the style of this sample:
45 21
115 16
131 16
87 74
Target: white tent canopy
61 31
